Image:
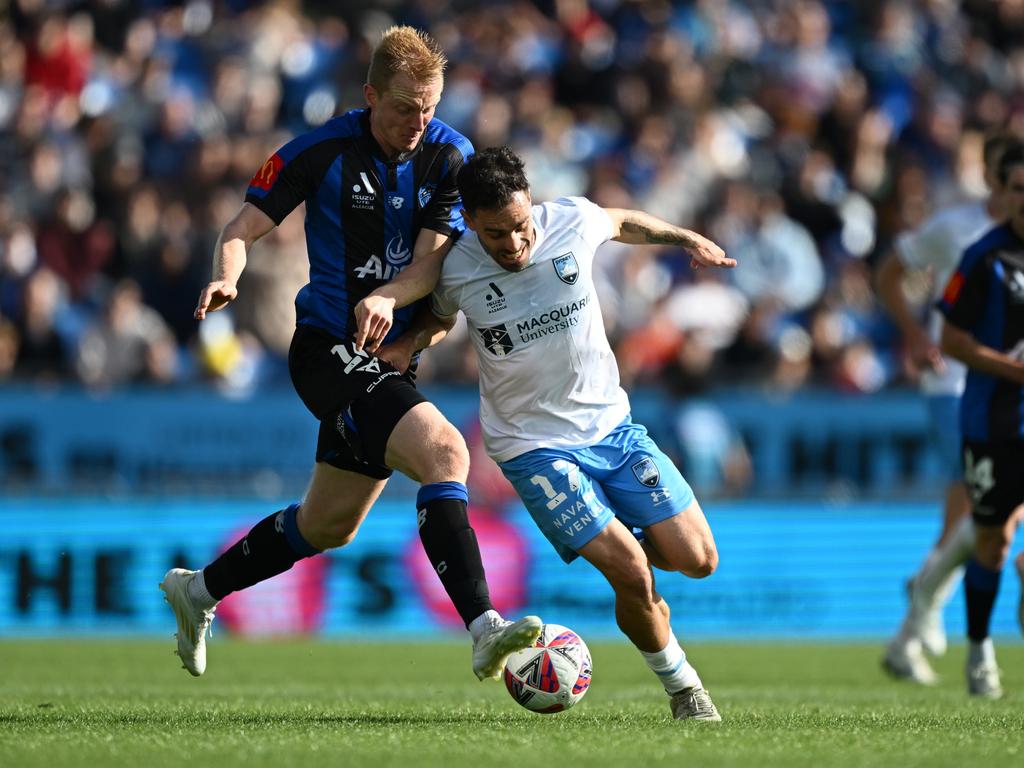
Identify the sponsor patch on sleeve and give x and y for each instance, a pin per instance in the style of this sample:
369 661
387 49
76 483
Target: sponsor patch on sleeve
267 174
953 288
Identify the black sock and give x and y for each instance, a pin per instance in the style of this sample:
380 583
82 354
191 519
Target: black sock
272 546
451 547
981 585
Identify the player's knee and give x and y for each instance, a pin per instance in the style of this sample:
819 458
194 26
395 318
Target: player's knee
452 447
443 455
633 582
705 562
325 528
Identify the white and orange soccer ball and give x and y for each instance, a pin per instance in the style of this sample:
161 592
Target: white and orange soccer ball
553 674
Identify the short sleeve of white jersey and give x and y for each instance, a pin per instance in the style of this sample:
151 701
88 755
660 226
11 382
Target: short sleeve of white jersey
442 303
940 241
918 248
595 223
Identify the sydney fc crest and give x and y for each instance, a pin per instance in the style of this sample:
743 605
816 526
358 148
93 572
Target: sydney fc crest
566 268
646 472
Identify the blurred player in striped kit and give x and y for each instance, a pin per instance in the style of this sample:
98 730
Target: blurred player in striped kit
937 247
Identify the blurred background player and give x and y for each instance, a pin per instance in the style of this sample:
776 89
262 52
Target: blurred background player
379 188
553 414
935 248
983 305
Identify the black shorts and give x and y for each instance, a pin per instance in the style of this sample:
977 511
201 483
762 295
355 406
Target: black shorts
357 397
994 473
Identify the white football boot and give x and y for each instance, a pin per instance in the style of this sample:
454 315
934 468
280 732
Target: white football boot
693 704
498 640
904 659
193 622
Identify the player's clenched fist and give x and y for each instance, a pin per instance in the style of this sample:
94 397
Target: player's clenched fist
216 295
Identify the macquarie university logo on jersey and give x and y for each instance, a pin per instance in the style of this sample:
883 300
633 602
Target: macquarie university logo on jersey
497 340
566 268
646 472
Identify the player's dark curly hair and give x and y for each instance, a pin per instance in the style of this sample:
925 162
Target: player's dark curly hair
1012 156
490 178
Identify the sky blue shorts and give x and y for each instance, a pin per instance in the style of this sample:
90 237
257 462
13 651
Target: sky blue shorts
944 428
572 494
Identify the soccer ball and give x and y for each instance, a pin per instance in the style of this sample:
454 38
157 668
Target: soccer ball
553 674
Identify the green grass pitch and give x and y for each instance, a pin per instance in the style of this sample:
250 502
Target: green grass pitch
308 703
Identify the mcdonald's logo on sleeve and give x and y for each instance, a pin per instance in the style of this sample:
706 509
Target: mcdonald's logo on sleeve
267 174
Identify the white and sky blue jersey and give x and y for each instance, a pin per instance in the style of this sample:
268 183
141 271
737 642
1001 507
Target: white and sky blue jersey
548 377
938 245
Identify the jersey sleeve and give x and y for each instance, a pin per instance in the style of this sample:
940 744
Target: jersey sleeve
442 303
963 299
443 211
289 176
595 224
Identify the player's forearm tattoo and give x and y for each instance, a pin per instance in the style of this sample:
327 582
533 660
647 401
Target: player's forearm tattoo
656 232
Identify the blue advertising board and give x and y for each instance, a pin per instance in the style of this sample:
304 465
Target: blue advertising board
198 441
793 570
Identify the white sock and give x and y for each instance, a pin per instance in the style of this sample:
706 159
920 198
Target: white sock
981 653
481 622
200 595
671 667
942 571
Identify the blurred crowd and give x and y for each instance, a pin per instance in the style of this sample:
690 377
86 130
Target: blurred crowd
801 135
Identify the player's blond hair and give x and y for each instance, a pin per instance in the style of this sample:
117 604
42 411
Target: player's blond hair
407 50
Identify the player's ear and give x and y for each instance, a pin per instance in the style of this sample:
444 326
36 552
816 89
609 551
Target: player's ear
468 218
370 94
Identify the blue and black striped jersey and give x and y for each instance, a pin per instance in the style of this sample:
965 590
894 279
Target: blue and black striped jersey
985 297
363 210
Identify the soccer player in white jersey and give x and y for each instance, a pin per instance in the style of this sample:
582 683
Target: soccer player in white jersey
936 247
551 409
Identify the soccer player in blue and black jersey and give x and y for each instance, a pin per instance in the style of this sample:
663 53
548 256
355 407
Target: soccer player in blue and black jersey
380 194
983 307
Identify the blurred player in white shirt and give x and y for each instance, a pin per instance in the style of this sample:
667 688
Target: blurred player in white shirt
936 248
551 409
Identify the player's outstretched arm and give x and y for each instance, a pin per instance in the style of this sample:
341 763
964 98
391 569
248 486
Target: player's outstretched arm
426 330
960 344
375 313
238 235
639 228
889 285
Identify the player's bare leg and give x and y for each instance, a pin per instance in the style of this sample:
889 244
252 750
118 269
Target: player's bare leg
683 543
336 504
329 516
428 449
643 616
